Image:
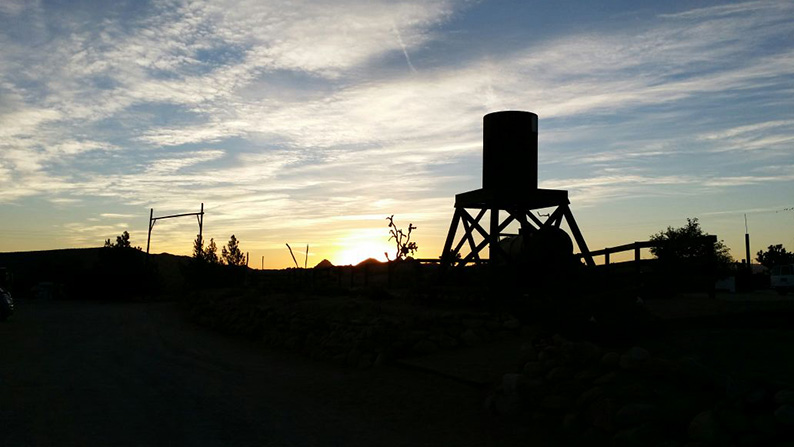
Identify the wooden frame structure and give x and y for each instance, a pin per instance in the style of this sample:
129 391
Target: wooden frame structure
518 207
153 220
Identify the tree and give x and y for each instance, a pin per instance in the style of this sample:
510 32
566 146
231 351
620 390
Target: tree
198 248
774 255
688 245
232 255
211 253
403 240
122 241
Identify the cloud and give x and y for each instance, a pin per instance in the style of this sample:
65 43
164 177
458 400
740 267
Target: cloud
297 119
184 160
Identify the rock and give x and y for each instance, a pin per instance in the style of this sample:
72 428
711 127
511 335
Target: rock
365 361
548 365
757 397
610 360
784 397
559 374
447 342
695 372
594 436
528 353
634 358
586 398
555 402
470 338
705 428
588 375
512 324
635 392
533 369
606 378
632 415
732 418
549 353
492 325
766 424
640 436
352 357
657 367
785 415
530 390
503 405
380 360
570 423
638 354
585 353
601 414
482 333
511 383
472 323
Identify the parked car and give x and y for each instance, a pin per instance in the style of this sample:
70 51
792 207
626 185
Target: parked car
782 278
6 304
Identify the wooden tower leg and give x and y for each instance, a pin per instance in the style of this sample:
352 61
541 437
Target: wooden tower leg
447 257
577 235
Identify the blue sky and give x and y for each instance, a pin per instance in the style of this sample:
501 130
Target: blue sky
310 122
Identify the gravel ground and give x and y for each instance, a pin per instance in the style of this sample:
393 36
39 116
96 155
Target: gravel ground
94 373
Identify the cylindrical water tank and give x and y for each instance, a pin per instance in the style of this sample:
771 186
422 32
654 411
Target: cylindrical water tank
510 151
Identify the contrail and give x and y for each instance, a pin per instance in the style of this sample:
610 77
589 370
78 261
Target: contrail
405 51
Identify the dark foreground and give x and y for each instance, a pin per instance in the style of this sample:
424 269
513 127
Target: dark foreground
93 373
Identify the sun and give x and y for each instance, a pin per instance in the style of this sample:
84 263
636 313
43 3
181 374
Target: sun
358 247
358 253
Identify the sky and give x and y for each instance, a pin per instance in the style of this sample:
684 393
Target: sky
311 122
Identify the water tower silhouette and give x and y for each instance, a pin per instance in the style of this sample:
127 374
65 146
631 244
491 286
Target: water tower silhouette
510 186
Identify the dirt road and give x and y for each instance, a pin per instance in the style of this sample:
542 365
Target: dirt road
92 373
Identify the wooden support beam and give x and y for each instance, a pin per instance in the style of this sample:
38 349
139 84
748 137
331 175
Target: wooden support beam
577 235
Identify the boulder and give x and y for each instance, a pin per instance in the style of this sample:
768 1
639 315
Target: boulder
423 347
559 374
512 324
601 414
610 360
636 414
706 429
784 397
533 369
470 338
785 415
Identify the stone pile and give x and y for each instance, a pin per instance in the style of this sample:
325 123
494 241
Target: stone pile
601 397
347 334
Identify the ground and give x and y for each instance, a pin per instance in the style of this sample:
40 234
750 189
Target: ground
121 373
96 373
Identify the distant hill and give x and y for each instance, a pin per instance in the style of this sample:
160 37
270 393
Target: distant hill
92 272
324 264
368 261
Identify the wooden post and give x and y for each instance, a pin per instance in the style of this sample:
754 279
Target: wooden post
201 223
453 229
149 237
493 245
577 235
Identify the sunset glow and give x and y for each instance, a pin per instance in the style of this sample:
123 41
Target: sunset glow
311 123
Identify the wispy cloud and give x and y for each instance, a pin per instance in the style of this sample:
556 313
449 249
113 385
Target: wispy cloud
262 111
